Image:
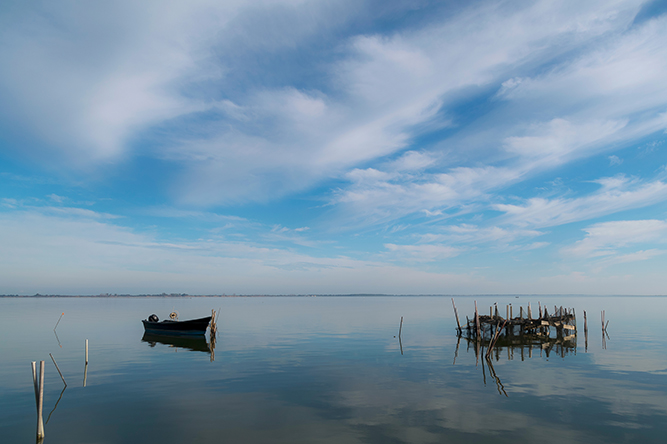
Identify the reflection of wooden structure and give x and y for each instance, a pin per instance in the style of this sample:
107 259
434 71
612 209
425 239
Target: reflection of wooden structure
524 346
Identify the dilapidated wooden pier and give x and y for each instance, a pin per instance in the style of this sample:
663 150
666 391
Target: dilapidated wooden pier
557 327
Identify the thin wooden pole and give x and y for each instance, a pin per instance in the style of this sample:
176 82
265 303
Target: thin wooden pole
86 351
530 313
400 328
477 322
456 313
40 425
59 372
61 316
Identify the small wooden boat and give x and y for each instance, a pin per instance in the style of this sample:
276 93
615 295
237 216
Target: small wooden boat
175 327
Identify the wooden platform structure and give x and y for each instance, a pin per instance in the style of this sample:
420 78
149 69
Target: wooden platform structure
524 329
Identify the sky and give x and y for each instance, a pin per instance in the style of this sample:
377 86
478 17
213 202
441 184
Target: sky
333 147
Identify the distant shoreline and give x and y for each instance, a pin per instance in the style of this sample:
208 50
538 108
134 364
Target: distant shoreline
183 295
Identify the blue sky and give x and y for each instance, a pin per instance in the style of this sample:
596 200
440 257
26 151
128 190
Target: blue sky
279 147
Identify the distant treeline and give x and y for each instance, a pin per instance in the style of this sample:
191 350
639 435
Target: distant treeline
185 295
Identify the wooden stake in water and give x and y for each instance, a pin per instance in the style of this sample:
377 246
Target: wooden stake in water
479 331
86 351
400 328
456 313
61 316
59 372
39 396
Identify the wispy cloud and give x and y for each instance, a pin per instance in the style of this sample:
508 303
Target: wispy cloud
614 195
606 238
79 255
423 252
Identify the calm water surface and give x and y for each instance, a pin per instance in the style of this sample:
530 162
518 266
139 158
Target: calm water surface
320 370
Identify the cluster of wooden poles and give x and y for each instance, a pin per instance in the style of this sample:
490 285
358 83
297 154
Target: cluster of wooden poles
38 381
494 325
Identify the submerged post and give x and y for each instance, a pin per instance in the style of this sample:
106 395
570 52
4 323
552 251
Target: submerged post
400 327
86 351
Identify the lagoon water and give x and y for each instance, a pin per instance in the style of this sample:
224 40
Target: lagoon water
328 370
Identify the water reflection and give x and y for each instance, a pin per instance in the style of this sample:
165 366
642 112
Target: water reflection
521 345
192 343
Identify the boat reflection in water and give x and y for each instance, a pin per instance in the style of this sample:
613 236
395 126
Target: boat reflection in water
191 343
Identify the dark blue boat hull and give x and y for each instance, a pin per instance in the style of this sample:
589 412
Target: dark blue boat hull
191 327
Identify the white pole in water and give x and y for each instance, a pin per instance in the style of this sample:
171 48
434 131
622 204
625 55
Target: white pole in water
86 351
39 396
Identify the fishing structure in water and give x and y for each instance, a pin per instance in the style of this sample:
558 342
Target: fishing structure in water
490 335
522 331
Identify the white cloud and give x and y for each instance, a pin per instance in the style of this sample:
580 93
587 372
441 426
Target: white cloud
605 238
615 194
70 254
423 252
280 140
472 234
615 160
555 141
